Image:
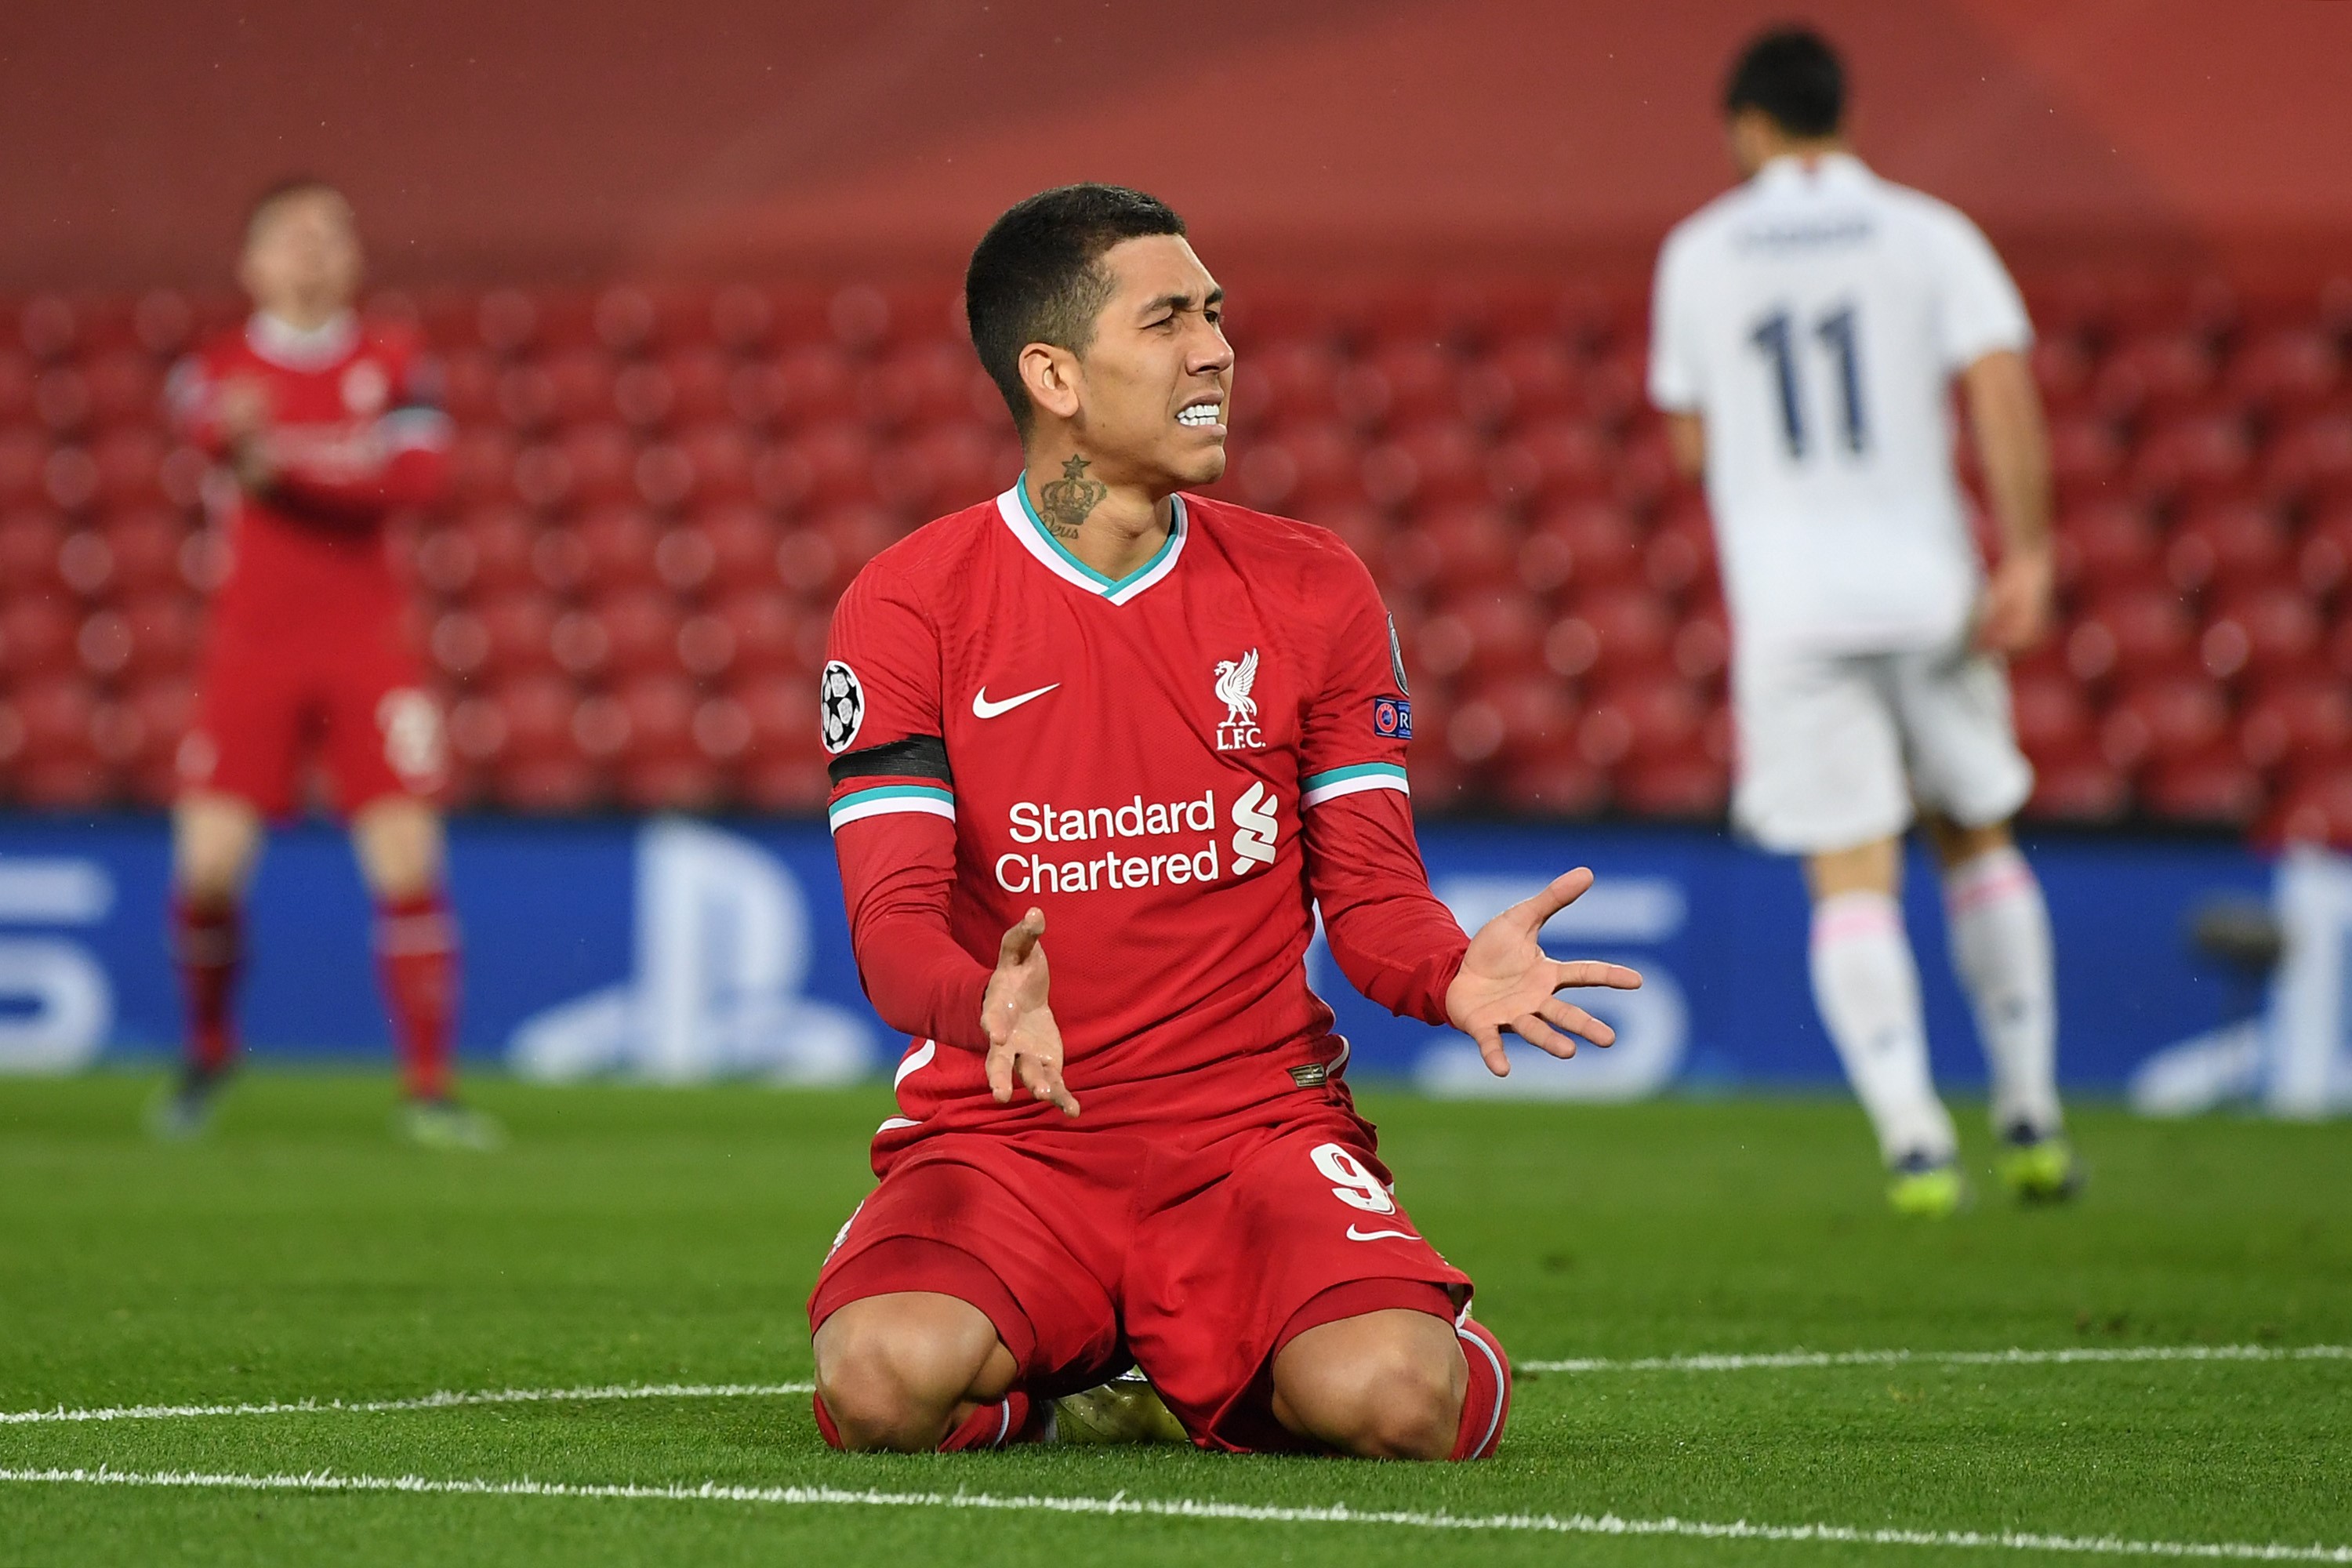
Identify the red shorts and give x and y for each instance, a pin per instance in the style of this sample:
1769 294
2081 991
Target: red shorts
265 702
1095 1251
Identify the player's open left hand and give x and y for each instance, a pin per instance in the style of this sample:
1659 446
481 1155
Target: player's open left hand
1025 1044
1508 982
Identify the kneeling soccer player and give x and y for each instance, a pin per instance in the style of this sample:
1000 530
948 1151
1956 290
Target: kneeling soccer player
1171 728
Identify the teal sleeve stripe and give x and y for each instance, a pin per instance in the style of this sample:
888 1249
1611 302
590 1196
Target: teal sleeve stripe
1341 775
915 796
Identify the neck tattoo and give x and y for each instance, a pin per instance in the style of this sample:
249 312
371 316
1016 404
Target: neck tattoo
1063 504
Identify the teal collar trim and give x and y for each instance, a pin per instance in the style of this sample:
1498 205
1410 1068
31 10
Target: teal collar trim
1110 586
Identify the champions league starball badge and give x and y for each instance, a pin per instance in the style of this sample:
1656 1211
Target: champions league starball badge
841 706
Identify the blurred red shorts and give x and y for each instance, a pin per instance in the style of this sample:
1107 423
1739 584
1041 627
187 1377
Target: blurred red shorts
267 702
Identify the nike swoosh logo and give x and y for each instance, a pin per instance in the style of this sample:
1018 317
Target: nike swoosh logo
981 708
1355 1235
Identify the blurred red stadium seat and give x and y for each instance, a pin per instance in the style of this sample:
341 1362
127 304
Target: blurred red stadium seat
2104 543
1544 376
2077 784
2131 630
1303 468
1580 546
742 539
2086 455
163 627
2214 786
445 562
2285 370
766 627
2198 456
2155 373
640 626
818 466
1702 645
2232 546
2267 630
601 458
1471 547
684 558
1680 552
617 544
1631 630
2315 805
1663 714
147 546
2311 457
2061 365
502 538
1688 788
1429 464
2324 559
519 628
2294 720
2163 719
36 633
1558 459
1543 782
2051 712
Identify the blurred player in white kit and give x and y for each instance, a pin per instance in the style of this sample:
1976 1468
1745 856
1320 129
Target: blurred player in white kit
1806 330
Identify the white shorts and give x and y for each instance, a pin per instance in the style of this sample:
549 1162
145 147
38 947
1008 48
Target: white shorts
1835 748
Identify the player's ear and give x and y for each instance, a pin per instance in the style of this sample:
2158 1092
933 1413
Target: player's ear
1051 374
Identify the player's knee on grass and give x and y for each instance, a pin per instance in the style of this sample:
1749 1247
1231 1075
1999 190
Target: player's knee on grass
1385 1385
893 1371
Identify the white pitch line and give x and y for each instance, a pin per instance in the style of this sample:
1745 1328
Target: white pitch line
1785 1359
1192 1508
441 1401
1801 1358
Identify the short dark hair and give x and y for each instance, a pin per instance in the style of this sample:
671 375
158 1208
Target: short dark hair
1035 276
1792 75
285 190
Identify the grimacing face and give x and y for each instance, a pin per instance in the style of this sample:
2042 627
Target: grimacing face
1153 383
301 257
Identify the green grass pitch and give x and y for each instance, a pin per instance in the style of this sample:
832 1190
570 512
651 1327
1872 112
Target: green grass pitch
637 1236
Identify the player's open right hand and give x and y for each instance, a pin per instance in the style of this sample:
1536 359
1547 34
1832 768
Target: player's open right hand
1025 1044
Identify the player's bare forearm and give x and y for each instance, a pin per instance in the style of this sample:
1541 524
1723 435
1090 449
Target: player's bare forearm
2013 447
1508 982
1686 439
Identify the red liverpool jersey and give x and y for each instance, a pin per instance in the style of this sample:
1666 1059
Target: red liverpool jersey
355 432
1176 767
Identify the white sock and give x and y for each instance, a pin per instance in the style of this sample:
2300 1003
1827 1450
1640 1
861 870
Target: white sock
1867 988
2000 948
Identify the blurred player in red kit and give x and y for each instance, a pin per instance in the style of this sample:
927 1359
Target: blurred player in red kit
321 426
1163 730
